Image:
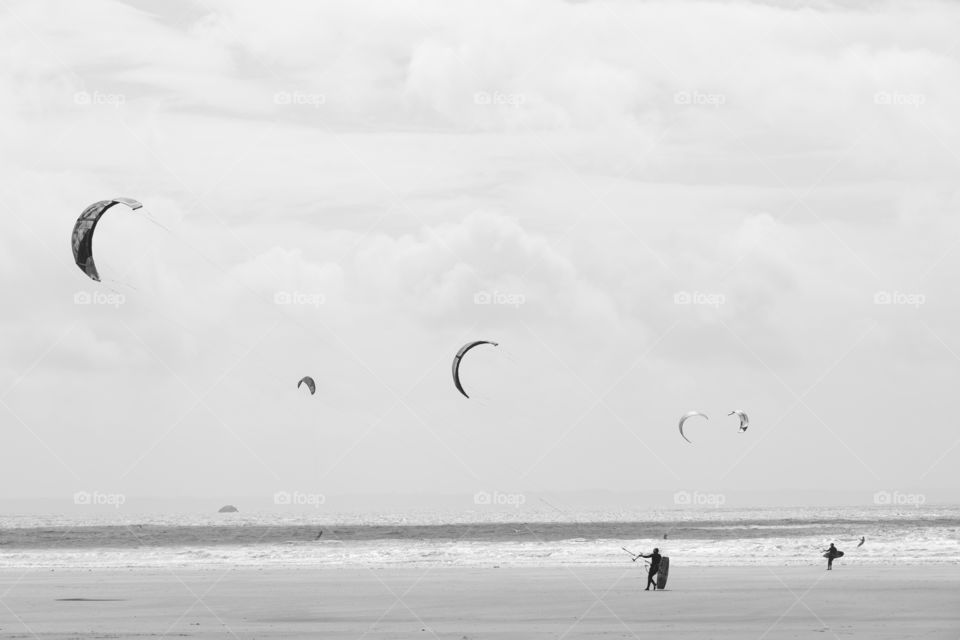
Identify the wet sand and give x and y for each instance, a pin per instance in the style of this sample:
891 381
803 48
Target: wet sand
459 603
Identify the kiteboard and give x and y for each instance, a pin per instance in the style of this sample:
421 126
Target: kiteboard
662 572
838 555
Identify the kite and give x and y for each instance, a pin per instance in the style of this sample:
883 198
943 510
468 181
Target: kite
687 416
307 380
82 239
744 419
457 358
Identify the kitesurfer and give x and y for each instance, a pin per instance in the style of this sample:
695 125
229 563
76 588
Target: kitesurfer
654 567
862 540
831 553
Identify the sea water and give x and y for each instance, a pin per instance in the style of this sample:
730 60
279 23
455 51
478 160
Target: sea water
714 537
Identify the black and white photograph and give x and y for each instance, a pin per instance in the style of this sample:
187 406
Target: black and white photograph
479 319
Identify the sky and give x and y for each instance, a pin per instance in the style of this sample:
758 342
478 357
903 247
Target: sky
652 207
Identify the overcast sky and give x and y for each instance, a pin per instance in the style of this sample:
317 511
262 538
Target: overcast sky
653 208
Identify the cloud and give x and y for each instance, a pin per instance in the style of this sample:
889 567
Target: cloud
551 174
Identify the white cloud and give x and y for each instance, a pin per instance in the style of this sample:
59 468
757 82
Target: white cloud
586 186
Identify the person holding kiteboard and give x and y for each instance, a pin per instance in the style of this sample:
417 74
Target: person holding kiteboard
654 567
830 554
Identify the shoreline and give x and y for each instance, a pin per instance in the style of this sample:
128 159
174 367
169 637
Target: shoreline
772 553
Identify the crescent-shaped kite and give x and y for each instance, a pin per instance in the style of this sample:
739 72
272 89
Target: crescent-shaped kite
307 380
686 417
457 358
744 419
82 238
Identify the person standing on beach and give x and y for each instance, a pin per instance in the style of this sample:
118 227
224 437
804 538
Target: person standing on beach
654 567
831 553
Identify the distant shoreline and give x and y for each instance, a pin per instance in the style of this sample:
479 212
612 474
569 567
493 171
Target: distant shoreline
723 539
267 531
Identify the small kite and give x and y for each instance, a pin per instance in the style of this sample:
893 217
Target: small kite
457 358
686 417
744 419
307 380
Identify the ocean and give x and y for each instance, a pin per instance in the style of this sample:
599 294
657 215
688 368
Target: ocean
695 537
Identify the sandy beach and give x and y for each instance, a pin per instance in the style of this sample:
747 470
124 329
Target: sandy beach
456 603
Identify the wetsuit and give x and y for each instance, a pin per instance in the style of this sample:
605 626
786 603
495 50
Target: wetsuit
832 553
654 568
